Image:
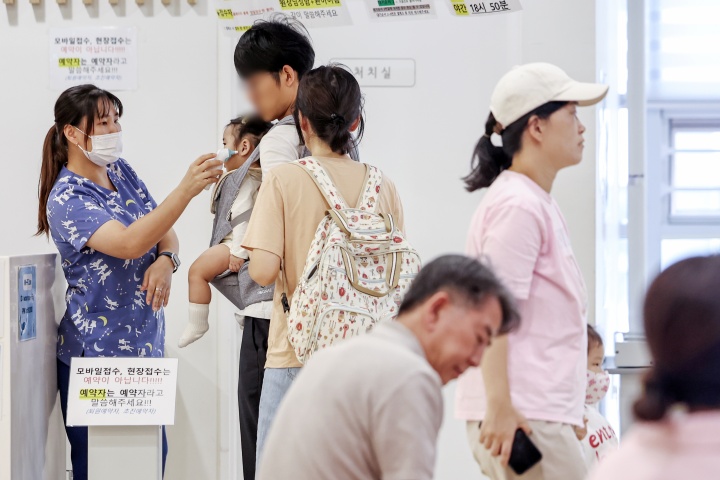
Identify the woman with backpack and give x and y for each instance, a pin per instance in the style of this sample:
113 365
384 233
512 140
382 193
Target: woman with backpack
290 206
534 378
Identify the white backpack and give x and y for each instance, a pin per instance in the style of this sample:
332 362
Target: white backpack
358 269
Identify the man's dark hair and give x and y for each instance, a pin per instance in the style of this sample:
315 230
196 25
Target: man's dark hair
467 280
271 44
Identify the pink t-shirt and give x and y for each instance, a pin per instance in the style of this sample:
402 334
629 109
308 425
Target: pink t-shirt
685 447
519 230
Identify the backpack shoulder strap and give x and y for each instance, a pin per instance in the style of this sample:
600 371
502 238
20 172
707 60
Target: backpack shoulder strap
371 190
323 181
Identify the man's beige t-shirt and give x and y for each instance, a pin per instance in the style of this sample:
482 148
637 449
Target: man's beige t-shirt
287 212
369 408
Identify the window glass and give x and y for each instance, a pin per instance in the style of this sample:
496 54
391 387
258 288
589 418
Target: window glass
674 249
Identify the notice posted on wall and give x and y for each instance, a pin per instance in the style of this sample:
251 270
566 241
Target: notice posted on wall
467 8
27 302
400 9
235 17
122 391
104 56
318 13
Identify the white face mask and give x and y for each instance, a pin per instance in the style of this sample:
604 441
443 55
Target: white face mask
598 385
106 149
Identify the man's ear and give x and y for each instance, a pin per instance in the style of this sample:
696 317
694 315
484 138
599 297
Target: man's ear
288 76
433 308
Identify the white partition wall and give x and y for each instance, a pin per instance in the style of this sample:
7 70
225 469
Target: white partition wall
32 439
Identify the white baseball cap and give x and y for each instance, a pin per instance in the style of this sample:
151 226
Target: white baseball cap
527 87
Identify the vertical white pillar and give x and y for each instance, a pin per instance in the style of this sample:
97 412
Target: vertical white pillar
637 159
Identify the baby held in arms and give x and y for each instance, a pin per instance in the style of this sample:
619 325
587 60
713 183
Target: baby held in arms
241 137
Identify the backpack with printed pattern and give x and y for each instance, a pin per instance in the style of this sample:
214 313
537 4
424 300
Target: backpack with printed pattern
358 269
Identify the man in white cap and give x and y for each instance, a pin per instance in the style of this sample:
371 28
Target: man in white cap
533 379
371 407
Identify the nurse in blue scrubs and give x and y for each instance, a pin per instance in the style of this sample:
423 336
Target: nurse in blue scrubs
117 245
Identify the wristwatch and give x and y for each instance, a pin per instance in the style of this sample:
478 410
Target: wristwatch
175 260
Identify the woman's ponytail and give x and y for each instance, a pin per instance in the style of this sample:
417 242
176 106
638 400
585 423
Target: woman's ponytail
54 156
655 401
340 138
488 160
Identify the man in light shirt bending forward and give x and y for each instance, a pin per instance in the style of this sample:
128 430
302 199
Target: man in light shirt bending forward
371 407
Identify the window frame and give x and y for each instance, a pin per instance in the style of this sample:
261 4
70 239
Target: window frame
664 120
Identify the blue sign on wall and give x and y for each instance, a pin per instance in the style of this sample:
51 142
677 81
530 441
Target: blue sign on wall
27 305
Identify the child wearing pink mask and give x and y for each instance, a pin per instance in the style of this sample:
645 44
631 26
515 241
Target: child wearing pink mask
597 437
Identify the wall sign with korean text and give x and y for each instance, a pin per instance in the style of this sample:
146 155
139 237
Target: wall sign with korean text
122 391
104 56
235 17
467 8
381 72
318 13
401 9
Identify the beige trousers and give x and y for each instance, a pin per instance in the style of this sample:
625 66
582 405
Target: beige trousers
562 454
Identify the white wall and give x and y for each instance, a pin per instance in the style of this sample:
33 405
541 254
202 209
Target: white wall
169 121
422 137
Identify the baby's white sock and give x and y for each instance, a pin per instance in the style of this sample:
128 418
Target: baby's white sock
197 324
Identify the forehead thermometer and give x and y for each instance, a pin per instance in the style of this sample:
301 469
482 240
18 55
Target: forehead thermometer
224 154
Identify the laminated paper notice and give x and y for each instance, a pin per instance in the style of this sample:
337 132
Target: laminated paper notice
466 8
104 56
401 9
318 13
235 17
122 391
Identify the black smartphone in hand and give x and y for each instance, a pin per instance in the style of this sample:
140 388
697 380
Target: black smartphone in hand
524 454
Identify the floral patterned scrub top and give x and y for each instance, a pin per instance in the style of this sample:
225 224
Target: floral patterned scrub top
106 312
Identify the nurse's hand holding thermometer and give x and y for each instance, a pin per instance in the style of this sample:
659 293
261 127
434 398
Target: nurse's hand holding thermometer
222 155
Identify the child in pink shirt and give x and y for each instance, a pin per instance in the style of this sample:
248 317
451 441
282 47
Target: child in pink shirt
598 438
679 412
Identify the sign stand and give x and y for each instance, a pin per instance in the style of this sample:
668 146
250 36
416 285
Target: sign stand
122 452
